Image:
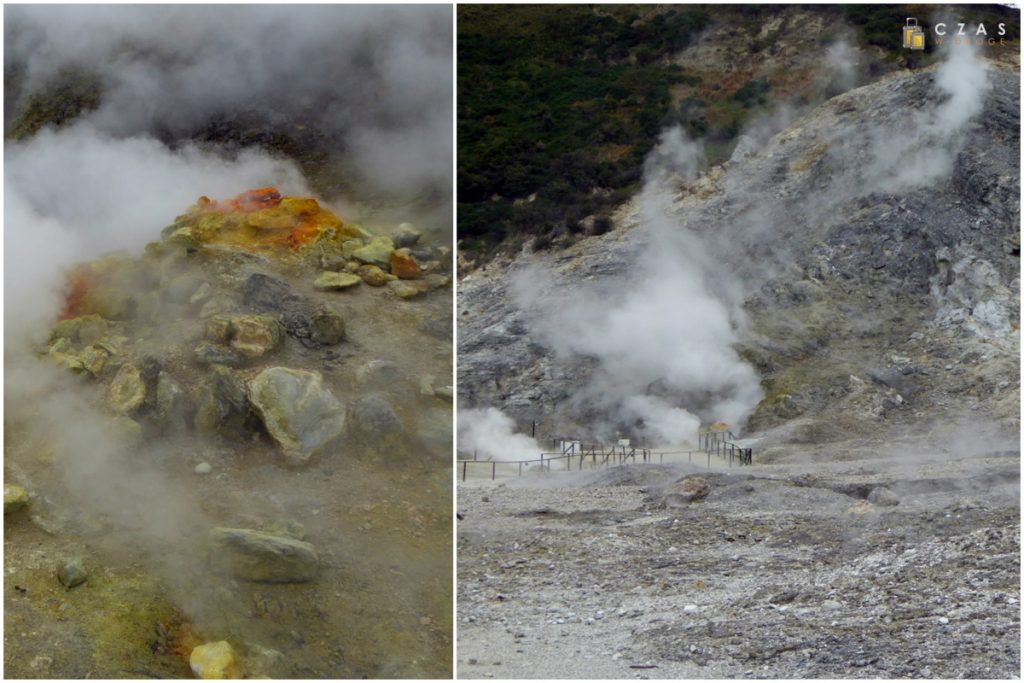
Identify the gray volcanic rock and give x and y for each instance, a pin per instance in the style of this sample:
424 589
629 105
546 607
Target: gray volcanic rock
299 413
258 556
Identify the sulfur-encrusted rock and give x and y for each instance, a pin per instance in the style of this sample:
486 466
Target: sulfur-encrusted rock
253 555
84 329
94 359
331 280
374 276
127 390
215 661
376 252
15 498
251 336
406 289
299 413
255 335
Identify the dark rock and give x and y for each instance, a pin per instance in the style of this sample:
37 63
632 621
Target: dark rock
375 417
327 327
214 354
266 294
223 405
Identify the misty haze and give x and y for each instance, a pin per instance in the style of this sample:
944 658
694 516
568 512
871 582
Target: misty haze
228 341
739 340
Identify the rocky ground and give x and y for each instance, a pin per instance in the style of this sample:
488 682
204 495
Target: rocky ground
873 567
243 435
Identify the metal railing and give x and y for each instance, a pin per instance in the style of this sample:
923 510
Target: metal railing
719 443
578 456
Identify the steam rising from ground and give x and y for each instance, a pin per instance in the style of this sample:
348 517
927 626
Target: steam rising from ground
491 435
377 79
662 340
75 194
925 153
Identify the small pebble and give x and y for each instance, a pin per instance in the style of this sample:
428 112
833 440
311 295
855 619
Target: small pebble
72 572
203 468
943 620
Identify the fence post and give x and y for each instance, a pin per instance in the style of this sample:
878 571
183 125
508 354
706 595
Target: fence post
520 468
494 469
464 465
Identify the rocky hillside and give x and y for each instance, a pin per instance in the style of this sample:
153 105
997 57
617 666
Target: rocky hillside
877 268
242 434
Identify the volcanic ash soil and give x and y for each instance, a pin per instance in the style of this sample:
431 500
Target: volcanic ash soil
781 571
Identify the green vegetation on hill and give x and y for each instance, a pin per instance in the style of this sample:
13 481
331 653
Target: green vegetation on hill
70 93
559 101
558 105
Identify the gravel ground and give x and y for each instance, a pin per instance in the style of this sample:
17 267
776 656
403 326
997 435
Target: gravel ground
782 571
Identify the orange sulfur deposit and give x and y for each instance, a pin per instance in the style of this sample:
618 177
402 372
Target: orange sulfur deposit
261 220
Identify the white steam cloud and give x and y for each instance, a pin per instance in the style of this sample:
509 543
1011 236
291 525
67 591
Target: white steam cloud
663 343
924 152
376 80
492 435
74 194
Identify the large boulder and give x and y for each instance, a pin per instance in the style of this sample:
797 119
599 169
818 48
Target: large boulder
299 413
253 555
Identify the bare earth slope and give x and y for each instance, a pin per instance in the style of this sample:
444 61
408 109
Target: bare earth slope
785 574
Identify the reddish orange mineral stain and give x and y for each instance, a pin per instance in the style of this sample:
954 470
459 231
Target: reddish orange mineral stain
263 220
